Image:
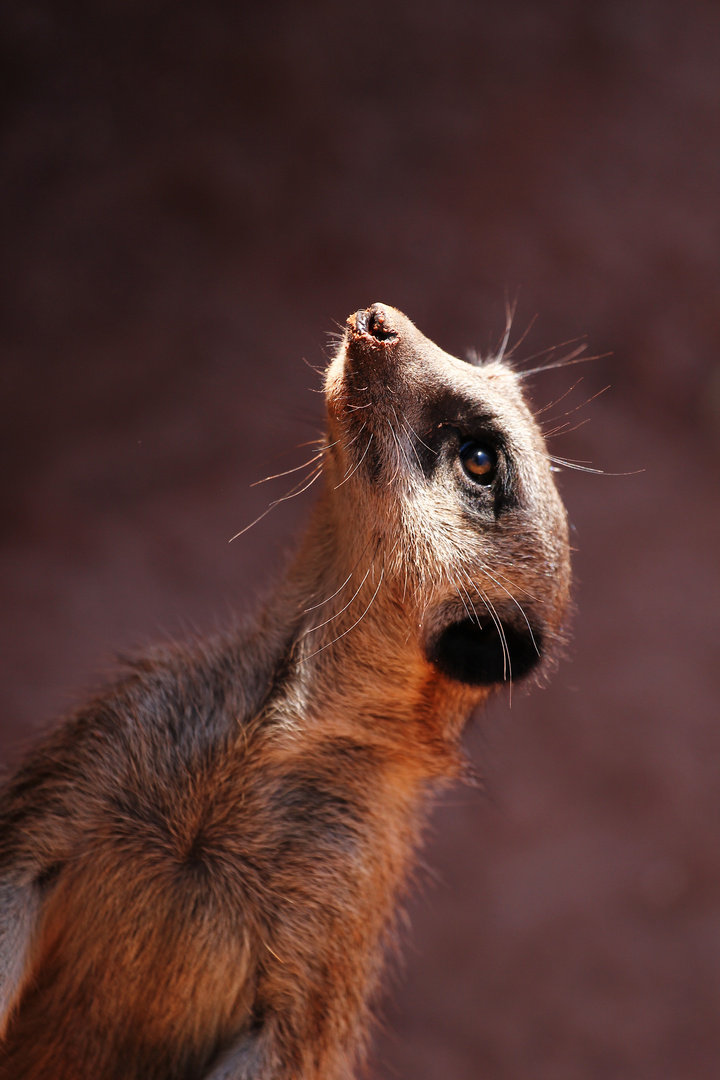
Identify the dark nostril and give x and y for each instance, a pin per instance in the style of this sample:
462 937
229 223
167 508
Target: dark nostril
373 321
377 324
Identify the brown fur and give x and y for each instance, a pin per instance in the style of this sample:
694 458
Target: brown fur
199 871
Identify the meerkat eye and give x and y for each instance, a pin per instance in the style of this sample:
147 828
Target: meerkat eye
479 462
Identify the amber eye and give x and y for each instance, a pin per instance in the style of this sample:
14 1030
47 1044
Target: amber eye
479 462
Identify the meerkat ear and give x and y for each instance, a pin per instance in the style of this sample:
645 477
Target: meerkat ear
19 916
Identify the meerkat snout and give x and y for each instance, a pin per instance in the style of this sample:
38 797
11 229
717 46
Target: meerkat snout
373 321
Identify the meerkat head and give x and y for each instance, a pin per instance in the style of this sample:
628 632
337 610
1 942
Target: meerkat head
440 464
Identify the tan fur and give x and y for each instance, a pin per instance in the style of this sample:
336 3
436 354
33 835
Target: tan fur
199 872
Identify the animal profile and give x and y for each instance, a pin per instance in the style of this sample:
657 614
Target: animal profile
200 870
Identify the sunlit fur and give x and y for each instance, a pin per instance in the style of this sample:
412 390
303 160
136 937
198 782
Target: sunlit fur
200 871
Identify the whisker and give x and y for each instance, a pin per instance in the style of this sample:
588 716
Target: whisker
509 316
402 453
335 337
565 429
507 663
467 609
316 442
577 407
550 349
322 603
522 337
412 444
338 613
332 596
356 436
552 404
287 472
346 478
416 434
517 605
475 617
580 467
321 445
398 462
514 584
318 371
276 502
357 621
567 361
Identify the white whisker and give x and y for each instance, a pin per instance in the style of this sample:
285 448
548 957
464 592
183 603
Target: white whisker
276 502
556 401
287 472
329 598
417 436
509 316
582 467
507 663
338 613
517 605
357 621
347 477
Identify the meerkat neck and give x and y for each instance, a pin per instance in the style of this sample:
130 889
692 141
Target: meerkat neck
350 666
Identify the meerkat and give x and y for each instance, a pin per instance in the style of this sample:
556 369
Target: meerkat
200 870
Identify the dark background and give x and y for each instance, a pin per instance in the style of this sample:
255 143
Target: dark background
193 195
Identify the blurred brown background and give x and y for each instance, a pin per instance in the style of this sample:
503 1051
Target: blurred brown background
193 195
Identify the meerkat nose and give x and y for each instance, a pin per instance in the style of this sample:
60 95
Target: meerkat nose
374 321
